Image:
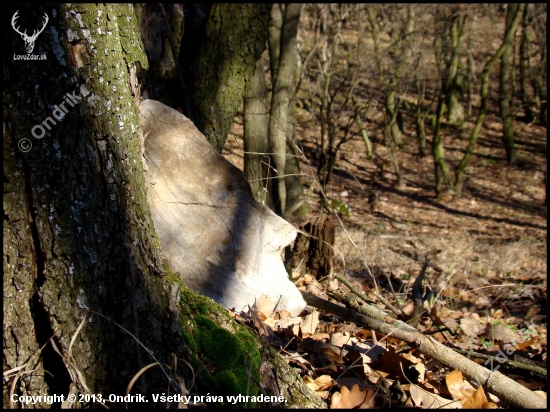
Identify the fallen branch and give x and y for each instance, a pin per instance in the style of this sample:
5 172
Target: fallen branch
493 381
521 368
364 298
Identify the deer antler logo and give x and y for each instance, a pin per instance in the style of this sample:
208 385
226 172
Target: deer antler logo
29 40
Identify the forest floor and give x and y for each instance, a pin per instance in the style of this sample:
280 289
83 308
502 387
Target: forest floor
491 241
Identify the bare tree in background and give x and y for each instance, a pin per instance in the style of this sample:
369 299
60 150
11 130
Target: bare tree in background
508 38
391 29
506 84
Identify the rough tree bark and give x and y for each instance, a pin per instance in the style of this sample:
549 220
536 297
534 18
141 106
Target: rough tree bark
314 252
78 236
83 275
218 57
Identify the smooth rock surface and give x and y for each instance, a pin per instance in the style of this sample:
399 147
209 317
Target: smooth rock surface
223 243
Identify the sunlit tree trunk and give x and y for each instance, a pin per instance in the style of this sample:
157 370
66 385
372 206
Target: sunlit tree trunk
256 148
283 87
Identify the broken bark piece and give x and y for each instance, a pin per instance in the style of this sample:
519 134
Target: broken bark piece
314 254
223 243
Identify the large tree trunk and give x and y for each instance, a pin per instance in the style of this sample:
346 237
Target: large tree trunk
87 301
218 58
79 241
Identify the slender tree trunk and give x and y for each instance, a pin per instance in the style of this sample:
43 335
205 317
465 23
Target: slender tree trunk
283 87
419 118
442 173
420 132
296 203
364 135
391 115
274 38
524 64
506 92
218 70
256 148
454 84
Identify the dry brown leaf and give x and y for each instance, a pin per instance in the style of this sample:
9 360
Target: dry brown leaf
346 399
477 400
421 371
422 397
283 314
331 352
309 323
394 363
465 393
457 386
322 383
501 333
271 322
471 327
320 336
526 344
264 304
358 361
411 357
341 339
260 315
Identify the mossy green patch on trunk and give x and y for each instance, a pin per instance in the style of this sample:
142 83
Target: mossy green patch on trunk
225 352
